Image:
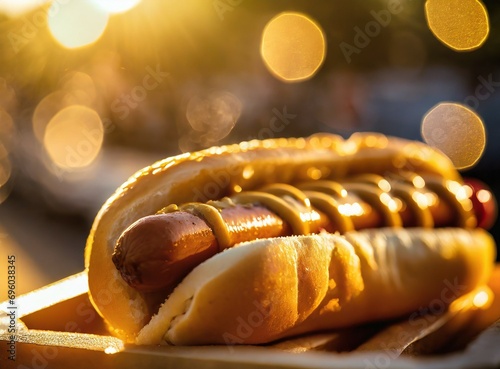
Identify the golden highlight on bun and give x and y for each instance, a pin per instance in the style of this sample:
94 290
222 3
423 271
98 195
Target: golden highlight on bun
216 172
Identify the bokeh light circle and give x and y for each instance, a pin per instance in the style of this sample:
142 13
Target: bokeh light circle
74 137
457 131
47 108
293 47
80 84
77 88
117 6
76 23
6 142
462 25
6 128
5 170
213 115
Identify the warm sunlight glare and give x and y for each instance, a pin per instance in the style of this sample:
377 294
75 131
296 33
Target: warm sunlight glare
457 131
462 25
15 8
74 136
77 23
484 196
117 6
482 298
351 210
110 350
293 47
66 289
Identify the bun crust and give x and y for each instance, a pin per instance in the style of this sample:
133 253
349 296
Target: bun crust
265 290
214 173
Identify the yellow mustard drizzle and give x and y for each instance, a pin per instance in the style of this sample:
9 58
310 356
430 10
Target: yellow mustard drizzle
330 188
451 192
373 179
419 209
374 196
213 217
210 214
295 203
287 191
448 191
330 206
285 209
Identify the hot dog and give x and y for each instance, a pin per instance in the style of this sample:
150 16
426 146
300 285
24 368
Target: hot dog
302 282
158 251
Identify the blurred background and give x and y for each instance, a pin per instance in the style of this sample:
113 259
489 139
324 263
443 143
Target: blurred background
91 91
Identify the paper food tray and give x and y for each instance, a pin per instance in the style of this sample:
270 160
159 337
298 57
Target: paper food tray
57 327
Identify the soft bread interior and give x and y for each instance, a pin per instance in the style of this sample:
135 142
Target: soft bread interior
264 290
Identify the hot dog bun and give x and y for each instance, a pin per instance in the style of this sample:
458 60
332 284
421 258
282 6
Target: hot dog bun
264 290
213 173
